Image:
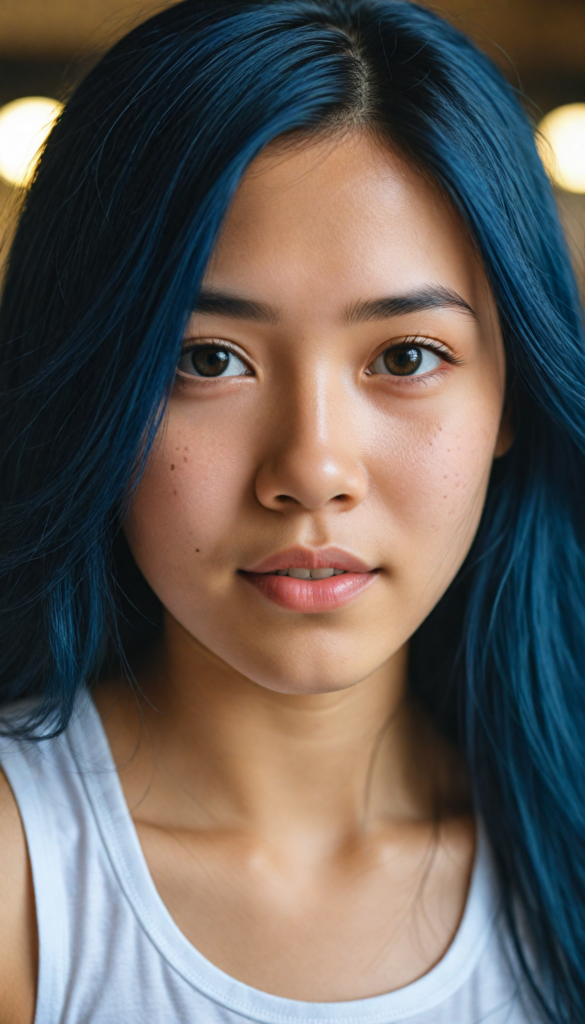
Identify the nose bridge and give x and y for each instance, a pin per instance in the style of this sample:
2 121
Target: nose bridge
313 457
312 411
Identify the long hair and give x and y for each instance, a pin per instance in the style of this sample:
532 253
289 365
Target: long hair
111 247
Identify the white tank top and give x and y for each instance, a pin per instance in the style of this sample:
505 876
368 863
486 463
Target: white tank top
110 953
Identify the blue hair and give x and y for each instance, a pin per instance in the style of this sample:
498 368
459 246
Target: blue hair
106 264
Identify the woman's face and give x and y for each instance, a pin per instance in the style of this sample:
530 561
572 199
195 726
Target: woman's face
338 407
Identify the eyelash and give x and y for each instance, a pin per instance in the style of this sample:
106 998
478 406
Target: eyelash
427 345
413 341
187 378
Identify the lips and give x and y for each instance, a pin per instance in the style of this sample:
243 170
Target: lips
311 558
310 595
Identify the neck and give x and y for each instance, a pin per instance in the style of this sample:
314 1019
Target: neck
323 767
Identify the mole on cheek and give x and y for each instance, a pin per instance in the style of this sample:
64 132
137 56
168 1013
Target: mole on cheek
172 466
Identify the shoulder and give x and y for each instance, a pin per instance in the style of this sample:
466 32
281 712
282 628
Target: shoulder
18 933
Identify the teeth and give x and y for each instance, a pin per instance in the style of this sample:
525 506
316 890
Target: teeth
309 574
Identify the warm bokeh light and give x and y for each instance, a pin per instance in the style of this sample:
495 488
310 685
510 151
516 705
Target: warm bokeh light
563 148
24 127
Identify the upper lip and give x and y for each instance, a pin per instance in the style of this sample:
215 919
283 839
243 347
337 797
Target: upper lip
311 558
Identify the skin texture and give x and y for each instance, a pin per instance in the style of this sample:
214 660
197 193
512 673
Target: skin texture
304 823
310 450
18 935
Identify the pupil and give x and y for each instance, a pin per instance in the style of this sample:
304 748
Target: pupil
403 362
210 362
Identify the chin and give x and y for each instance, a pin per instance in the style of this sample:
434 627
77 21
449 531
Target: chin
307 687
309 681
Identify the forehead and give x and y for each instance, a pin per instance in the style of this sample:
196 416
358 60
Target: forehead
331 219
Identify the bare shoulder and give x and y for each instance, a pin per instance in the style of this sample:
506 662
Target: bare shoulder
18 932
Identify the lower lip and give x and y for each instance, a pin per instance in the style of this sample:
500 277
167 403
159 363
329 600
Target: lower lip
310 595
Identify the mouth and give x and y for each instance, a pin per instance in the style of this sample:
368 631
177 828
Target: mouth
310 580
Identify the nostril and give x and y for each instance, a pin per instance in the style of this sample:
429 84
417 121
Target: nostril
288 498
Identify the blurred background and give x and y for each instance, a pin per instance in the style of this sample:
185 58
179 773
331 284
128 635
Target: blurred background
539 44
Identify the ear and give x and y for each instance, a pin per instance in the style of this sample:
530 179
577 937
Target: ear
506 432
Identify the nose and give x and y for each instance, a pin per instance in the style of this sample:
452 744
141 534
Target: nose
312 460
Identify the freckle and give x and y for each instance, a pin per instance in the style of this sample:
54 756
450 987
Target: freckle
172 465
174 492
444 495
197 550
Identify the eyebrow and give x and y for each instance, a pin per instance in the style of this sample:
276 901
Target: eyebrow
224 304
414 302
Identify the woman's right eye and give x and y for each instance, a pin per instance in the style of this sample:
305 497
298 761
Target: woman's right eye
212 361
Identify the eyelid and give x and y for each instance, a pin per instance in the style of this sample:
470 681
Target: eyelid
201 341
419 341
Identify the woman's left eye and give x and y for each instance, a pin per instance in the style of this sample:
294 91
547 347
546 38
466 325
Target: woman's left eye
209 361
405 361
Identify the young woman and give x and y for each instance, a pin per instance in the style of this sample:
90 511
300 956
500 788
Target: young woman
293 599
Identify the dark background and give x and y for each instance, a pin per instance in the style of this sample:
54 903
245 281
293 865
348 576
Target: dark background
539 44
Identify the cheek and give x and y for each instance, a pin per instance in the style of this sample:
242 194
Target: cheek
441 478
188 503
431 482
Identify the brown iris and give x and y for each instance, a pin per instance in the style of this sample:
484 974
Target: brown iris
402 361
209 361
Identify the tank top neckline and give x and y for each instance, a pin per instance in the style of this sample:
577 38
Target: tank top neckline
90 750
